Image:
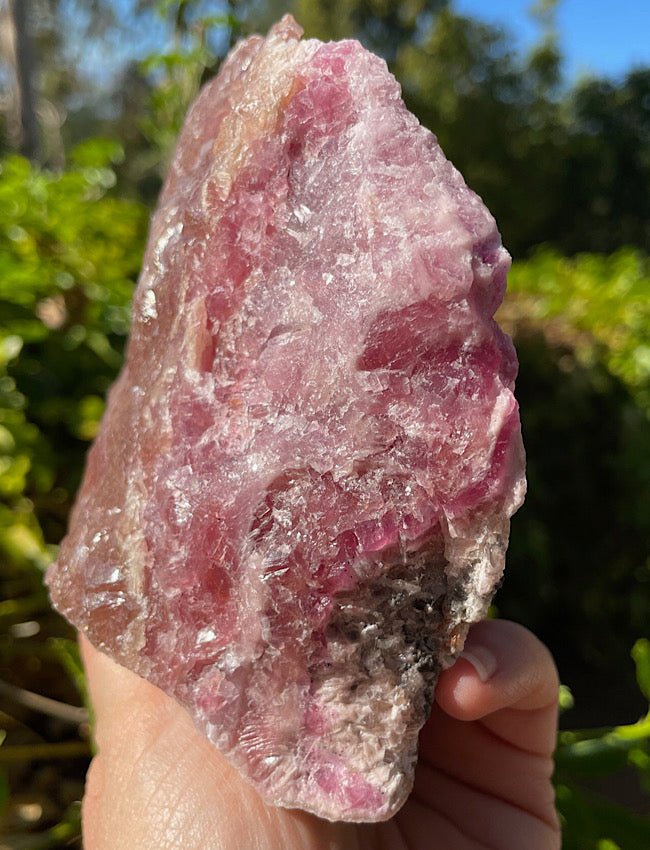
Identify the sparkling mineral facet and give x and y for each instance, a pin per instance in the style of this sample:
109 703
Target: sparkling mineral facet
299 497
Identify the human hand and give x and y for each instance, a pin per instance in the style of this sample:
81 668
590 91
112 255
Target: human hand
482 781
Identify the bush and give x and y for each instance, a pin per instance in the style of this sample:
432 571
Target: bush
69 255
578 567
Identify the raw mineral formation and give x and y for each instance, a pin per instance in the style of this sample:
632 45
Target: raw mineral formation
299 497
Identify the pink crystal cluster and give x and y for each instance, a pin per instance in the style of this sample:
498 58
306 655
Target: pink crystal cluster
299 497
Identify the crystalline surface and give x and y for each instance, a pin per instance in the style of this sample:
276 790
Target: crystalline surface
300 494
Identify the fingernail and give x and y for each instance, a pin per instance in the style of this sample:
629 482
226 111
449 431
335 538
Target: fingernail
481 660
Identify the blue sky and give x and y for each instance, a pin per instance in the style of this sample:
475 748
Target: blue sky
606 37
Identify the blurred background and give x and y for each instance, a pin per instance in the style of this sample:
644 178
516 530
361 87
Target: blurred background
545 109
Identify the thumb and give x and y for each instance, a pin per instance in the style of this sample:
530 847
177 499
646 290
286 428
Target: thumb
506 677
157 783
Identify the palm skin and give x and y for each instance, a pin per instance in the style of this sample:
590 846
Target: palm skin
483 777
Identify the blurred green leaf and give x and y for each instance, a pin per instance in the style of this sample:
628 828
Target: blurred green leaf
565 700
69 257
97 153
588 820
593 300
69 656
641 657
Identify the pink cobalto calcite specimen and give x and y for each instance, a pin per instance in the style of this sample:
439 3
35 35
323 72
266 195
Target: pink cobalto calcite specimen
299 497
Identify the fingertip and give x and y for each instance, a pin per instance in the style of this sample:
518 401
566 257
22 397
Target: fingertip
460 691
502 665
482 660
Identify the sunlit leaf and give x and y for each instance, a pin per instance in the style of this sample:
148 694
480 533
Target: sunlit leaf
641 657
97 153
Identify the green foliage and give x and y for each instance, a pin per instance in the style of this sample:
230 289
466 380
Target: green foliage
579 572
641 658
599 303
69 656
383 26
69 254
498 116
589 822
176 74
608 164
